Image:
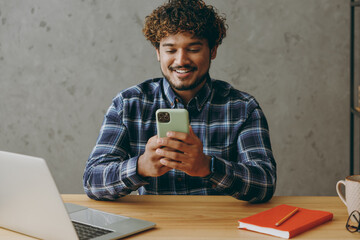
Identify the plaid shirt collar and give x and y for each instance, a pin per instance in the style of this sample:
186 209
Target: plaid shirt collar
199 100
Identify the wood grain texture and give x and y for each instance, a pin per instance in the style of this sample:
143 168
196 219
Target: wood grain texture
209 217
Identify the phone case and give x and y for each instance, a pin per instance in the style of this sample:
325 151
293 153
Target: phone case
179 121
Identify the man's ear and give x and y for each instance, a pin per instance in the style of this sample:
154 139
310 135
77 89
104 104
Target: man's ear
158 53
213 52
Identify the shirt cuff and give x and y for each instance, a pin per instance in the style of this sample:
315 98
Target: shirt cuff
218 174
130 176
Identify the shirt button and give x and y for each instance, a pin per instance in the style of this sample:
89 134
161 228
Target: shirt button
179 179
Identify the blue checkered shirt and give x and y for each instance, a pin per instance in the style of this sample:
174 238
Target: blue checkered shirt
230 124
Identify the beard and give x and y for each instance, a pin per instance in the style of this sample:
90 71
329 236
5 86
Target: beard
183 87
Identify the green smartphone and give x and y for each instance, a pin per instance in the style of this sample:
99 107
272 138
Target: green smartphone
176 120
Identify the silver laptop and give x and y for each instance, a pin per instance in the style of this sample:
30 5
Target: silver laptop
31 204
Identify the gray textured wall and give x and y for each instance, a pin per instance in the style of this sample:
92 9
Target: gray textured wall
62 62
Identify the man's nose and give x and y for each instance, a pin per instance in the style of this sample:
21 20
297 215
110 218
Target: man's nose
181 58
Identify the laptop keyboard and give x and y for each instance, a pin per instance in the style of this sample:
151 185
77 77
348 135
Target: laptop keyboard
88 232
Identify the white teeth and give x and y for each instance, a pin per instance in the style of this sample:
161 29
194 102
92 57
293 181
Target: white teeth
182 71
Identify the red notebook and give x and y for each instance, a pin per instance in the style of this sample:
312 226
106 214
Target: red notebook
301 221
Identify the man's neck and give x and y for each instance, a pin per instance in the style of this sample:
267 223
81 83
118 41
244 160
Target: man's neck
187 95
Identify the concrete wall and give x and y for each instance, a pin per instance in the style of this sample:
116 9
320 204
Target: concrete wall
62 62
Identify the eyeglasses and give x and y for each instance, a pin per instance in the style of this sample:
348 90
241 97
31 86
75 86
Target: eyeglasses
353 222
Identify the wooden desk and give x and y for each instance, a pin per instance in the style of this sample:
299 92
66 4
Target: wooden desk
209 217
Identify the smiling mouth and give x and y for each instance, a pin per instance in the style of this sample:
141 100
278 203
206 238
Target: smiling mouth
182 69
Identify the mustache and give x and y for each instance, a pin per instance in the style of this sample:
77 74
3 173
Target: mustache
188 67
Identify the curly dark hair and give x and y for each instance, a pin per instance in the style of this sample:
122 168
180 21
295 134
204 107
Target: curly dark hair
192 16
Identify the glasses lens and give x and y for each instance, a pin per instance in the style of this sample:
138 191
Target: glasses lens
353 222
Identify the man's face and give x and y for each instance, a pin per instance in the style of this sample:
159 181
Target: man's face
185 60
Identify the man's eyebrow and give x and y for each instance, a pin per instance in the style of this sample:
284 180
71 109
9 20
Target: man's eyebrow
167 45
196 43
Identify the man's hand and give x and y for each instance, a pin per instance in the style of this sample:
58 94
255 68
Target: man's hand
183 152
149 163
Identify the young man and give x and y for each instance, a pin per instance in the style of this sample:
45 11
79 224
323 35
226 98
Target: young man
227 151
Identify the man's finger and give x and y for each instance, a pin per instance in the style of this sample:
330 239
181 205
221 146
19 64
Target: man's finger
172 164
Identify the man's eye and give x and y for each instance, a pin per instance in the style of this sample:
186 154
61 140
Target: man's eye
170 51
194 50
